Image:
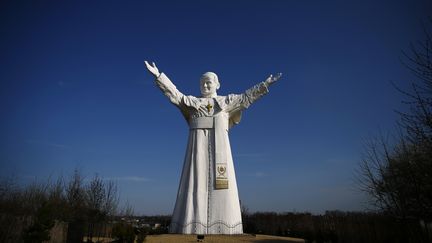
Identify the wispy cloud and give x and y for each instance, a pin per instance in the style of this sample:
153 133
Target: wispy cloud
129 178
46 143
28 177
241 155
338 163
335 161
258 174
60 83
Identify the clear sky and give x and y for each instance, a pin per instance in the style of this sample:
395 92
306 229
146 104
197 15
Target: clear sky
74 92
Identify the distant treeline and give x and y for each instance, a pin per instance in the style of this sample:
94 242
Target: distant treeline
337 226
331 227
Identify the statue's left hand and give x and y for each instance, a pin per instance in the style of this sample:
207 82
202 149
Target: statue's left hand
271 79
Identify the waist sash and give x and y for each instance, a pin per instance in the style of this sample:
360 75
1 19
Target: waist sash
204 122
218 123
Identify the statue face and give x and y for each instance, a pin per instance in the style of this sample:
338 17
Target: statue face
208 87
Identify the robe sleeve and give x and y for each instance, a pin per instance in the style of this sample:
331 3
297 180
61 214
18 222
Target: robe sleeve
183 102
235 103
238 102
169 89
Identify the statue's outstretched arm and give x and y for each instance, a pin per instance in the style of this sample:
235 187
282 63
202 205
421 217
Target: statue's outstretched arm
242 101
260 89
165 84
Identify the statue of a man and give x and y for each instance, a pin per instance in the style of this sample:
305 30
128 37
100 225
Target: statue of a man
207 199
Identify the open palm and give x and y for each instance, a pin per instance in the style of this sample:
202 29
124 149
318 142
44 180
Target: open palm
152 68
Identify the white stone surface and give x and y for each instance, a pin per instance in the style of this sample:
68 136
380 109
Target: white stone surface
207 202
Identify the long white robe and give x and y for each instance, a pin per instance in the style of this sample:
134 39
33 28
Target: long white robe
201 208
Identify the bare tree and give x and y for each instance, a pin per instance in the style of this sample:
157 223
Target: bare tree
398 177
418 122
111 199
29 212
413 155
76 198
101 202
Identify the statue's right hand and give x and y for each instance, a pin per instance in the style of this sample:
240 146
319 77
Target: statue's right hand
152 68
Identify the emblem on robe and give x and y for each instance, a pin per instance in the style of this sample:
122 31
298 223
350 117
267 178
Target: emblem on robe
221 176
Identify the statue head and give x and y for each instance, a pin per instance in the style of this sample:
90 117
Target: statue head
209 84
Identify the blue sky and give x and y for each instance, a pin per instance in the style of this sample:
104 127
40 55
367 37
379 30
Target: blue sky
74 92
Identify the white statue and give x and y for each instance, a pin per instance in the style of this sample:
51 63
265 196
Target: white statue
207 199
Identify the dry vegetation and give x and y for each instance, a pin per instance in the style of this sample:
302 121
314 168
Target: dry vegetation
173 238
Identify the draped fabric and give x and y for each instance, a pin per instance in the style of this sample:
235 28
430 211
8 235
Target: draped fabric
201 208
